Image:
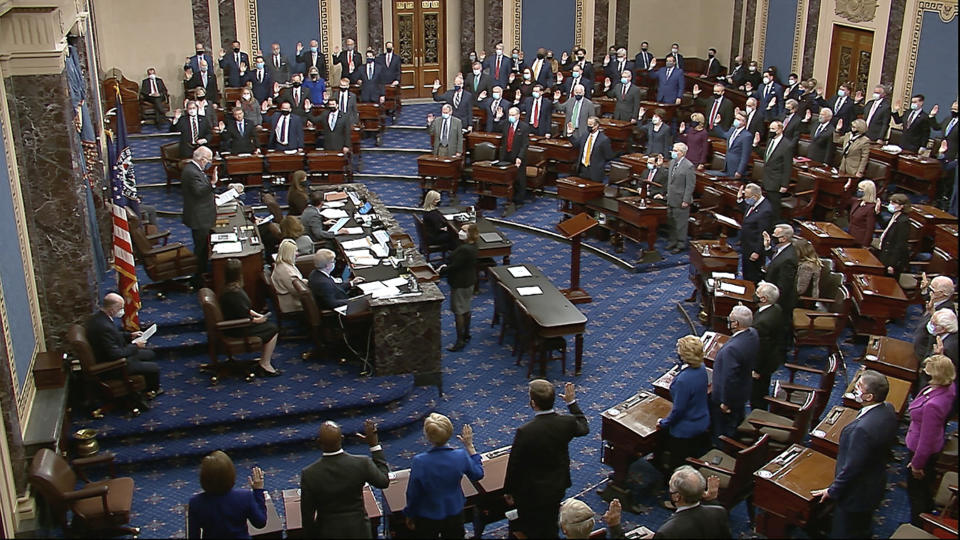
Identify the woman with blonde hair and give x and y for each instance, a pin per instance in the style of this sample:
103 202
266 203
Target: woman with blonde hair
688 424
435 226
221 511
434 498
929 412
808 268
864 208
285 272
297 194
292 228
698 149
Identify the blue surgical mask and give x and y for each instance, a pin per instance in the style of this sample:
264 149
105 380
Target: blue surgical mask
313 49
841 93
913 106
736 122
259 65
496 95
526 76
859 193
674 154
535 95
575 74
624 80
445 115
513 119
892 208
651 166
750 201
931 329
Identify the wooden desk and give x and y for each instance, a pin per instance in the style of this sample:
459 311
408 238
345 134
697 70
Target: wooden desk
644 215
551 312
892 357
876 299
898 395
476 137
441 173
619 132
919 174
661 386
630 430
561 156
492 182
712 343
501 248
282 162
722 302
825 437
232 218
831 197
857 261
294 516
605 105
946 238
782 489
331 165
929 217
578 190
825 236
707 257
272 530
245 168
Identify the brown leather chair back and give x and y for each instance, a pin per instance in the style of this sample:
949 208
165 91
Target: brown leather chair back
309 304
52 477
803 147
749 461
484 151
77 340
619 172
270 200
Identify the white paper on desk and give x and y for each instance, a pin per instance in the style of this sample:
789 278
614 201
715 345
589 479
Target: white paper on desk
386 292
147 334
352 230
359 243
226 197
519 271
395 282
227 247
707 336
289 152
223 237
244 154
263 220
461 216
529 291
380 251
334 204
341 310
371 286
731 288
723 275
333 213
730 222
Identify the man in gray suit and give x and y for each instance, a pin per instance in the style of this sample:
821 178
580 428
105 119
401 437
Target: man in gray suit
199 206
446 133
331 488
627 96
576 110
680 183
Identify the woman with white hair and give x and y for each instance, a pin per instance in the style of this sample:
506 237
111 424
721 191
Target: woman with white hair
434 497
285 272
577 519
435 227
864 207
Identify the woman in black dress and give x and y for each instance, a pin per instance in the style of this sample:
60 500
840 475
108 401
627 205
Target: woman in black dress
894 250
435 226
461 269
235 304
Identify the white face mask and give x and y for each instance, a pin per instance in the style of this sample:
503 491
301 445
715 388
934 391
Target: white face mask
192 112
749 109
766 80
152 76
893 208
857 395
876 95
462 235
329 268
119 314
476 73
247 97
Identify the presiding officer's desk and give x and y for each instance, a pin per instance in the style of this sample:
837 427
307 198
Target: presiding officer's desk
406 328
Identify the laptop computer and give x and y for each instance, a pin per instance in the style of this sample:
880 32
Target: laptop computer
358 304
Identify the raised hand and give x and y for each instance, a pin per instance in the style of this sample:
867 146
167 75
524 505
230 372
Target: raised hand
612 516
570 128
858 96
518 96
177 114
756 138
564 57
481 55
935 110
436 85
483 95
898 106
716 119
643 111
299 46
559 77
511 78
556 95
773 103
807 116
606 83
370 432
236 103
569 393
520 56
766 239
499 114
256 478
696 90
222 53
682 127
220 126
466 437
306 104
336 50
840 124
653 62
606 59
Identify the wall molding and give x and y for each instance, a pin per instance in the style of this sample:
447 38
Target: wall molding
796 59
517 14
947 10
252 25
761 32
578 24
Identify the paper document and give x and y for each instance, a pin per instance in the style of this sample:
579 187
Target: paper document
223 237
491 237
289 152
731 288
381 236
353 230
519 271
370 287
529 291
461 216
730 222
723 275
386 292
380 251
227 196
147 334
334 204
341 310
263 220
359 243
395 282
354 198
333 213
340 223
227 247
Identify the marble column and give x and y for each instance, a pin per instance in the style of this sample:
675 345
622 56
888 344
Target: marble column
748 27
600 15
54 200
892 47
348 19
375 25
494 27
468 36
735 35
8 413
228 23
623 22
201 25
810 39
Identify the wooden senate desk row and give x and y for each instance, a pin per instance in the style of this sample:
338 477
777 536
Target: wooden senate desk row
326 166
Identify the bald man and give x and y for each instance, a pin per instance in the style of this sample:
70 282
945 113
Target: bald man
331 488
109 343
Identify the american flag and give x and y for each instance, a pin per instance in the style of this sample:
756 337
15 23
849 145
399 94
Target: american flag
124 194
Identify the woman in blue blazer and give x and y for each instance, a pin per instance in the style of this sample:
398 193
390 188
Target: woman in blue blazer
434 498
688 424
222 511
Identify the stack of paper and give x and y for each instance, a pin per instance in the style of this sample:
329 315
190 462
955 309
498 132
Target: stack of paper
226 197
352 230
227 247
386 292
731 288
370 287
529 291
223 237
519 271
333 213
359 243
334 204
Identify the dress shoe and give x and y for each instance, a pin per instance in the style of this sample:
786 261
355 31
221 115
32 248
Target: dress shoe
264 373
456 347
152 394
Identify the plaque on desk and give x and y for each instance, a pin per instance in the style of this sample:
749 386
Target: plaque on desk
578 190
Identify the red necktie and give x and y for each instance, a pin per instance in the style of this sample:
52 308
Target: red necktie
713 111
536 113
624 90
513 129
498 66
350 63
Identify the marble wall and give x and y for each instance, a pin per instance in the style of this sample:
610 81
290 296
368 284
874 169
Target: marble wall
375 25
348 19
894 31
494 25
600 16
623 24
748 27
228 24
810 39
468 34
9 416
735 39
201 25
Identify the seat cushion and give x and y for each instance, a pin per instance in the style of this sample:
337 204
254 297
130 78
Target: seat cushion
766 416
908 282
801 320
909 531
726 461
119 499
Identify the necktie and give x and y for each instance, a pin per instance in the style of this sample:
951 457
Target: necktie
621 66
713 112
476 82
314 62
203 77
768 90
624 94
349 62
536 112
651 175
819 130
236 59
153 86
733 137
770 148
444 131
786 121
513 131
669 71
456 100
333 119
283 130
296 96
259 76
536 69
588 150
576 113
498 65
369 71
911 118
193 129
240 127
276 60
839 105
496 104
950 126
389 57
749 211
876 105
343 102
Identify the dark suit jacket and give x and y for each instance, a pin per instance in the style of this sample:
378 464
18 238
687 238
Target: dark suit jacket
769 326
601 152
766 97
281 74
506 65
390 72
294 133
145 89
755 124
713 67
668 90
371 88
539 467
894 250
213 94
725 110
199 206
821 146
777 168
613 72
846 112
231 70
658 142
183 127
546 111
331 494
546 77
107 341
484 83
782 272
337 138
195 63
465 111
353 116
488 104
793 128
627 108
732 370
880 122
916 135
328 293
860 477
521 140
261 90
341 59
703 521
738 151
752 227
287 95
951 137
642 60
922 340
232 141
566 87
305 58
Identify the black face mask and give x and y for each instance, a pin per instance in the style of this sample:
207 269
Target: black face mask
644 49
199 52
577 97
236 49
539 56
296 84
285 113
332 107
710 55
314 77
717 95
580 57
389 49
953 114
594 129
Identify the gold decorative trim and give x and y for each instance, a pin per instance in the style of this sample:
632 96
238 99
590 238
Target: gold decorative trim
578 25
324 27
516 22
761 36
252 22
797 59
947 10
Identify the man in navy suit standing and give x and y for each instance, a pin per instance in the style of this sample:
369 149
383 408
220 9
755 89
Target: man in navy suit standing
739 147
371 80
843 108
757 218
458 98
670 82
194 61
391 65
538 109
230 64
499 66
860 477
260 77
286 129
732 373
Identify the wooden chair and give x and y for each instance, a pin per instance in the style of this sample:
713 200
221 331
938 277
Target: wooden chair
821 328
619 174
940 263
372 120
798 393
943 524
98 507
322 324
426 248
737 463
536 168
484 151
787 428
540 348
164 264
275 298
799 203
504 313
108 380
219 342
170 159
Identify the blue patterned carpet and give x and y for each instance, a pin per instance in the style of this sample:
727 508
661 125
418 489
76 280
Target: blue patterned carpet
634 322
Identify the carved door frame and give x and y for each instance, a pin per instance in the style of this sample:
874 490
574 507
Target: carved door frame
850 54
419 36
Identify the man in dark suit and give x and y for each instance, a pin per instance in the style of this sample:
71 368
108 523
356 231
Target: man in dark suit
461 100
713 65
771 96
541 69
655 177
793 90
199 205
576 78
499 66
757 218
496 106
792 123
877 112
370 77
334 128
297 95
349 60
692 519
947 154
782 268
328 293
259 77
941 289
391 65
860 477
842 106
194 131
593 147
576 110
278 65
738 72
580 60
109 343
312 57
718 110
194 61
670 82
754 117
768 321
821 137
477 82
239 135
286 129
627 95
207 80
538 110
916 124
346 101
675 54
680 183
513 149
777 167
331 488
732 373
644 58
538 472
618 65
230 64
154 92
739 147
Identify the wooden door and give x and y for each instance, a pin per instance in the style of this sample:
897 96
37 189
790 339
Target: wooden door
850 52
419 31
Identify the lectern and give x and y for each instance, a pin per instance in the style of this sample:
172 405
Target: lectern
573 229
